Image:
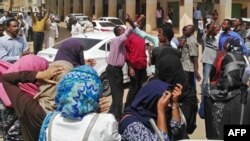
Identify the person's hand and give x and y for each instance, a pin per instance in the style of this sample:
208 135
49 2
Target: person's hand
141 17
128 18
176 93
197 76
104 105
163 102
131 72
91 62
182 42
50 73
26 52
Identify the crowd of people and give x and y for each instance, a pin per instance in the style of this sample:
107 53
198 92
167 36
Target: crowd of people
63 100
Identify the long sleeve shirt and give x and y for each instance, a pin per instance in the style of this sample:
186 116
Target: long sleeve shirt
153 39
135 52
11 48
117 50
28 110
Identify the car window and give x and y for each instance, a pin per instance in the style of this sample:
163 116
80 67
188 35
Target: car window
85 42
116 21
103 46
81 18
106 24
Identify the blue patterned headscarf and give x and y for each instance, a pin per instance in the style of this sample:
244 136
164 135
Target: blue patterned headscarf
77 95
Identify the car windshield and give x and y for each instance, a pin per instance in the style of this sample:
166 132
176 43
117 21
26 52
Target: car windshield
82 19
107 24
116 21
86 42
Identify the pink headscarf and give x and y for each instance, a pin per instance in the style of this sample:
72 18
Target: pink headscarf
26 63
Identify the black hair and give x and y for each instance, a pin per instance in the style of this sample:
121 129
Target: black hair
241 21
229 22
116 30
9 21
167 31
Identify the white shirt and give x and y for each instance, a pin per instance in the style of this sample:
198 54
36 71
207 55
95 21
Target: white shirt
29 20
2 19
104 129
88 26
76 29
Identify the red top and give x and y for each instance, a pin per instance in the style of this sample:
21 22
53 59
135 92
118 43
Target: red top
135 52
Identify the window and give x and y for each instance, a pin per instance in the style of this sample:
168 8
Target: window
103 46
116 21
85 42
107 24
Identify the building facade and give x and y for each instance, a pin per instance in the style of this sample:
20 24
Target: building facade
4 5
183 9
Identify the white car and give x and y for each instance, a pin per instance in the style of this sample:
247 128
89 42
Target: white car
82 19
66 20
103 26
114 20
96 46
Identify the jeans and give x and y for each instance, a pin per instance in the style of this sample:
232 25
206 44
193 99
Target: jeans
206 71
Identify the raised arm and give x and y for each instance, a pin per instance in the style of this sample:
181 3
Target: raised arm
32 15
47 14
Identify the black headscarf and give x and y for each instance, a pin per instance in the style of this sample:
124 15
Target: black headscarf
171 70
71 50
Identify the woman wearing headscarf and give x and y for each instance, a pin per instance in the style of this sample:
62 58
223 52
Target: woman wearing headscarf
148 104
11 124
71 50
77 103
31 112
227 103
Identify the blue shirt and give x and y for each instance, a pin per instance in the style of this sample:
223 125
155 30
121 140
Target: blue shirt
153 39
224 37
11 48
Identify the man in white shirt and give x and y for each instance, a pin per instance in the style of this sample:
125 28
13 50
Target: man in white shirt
88 26
76 27
4 17
29 21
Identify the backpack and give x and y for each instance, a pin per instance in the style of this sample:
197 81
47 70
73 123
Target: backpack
228 83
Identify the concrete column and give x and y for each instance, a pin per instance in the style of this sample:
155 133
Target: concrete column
60 9
98 8
225 10
76 6
53 6
87 8
130 8
186 14
151 6
248 9
164 5
112 8
66 7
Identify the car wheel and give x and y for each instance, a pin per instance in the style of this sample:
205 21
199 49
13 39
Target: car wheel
105 82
